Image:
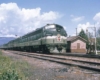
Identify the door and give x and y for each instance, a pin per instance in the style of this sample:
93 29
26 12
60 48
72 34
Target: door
78 47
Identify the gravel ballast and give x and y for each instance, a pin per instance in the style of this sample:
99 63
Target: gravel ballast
46 70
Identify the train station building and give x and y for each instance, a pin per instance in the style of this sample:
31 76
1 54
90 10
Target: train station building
76 44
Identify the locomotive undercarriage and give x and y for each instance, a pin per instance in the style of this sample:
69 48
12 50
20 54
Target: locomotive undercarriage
48 48
45 48
56 48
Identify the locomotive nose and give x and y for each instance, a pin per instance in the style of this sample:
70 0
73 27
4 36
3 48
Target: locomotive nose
58 37
59 47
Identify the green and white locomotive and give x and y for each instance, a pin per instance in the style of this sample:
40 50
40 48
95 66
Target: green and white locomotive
51 38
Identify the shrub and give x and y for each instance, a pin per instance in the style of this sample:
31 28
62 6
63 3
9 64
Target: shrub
10 75
11 69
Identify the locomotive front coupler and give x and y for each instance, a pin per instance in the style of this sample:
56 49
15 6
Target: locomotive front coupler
59 47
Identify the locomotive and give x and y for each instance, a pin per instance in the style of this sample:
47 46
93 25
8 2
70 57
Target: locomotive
51 38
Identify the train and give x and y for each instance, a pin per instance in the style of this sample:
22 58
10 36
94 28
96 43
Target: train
51 38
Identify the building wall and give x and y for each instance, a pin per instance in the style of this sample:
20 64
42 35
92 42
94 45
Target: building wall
78 46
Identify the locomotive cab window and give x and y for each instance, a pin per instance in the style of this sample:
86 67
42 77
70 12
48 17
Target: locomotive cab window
60 30
54 29
49 30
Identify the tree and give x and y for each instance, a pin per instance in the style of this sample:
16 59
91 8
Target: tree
84 35
98 43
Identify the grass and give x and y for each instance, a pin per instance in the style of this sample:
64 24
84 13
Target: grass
12 70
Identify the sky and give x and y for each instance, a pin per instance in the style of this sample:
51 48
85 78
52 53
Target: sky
19 17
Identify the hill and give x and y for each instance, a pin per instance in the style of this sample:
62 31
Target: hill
4 40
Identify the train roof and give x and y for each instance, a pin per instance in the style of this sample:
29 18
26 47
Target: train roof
39 29
33 31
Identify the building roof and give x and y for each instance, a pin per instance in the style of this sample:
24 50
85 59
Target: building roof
73 38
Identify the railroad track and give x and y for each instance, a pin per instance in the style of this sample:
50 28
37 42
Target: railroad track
82 62
81 55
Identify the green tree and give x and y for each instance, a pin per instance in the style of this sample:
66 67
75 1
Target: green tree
98 43
84 36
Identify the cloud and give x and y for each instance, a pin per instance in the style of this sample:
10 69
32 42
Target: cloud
88 25
84 26
19 21
77 19
97 17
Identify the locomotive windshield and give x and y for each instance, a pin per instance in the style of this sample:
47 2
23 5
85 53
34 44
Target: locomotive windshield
61 30
51 30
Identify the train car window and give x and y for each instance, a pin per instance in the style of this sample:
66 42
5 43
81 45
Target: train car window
34 37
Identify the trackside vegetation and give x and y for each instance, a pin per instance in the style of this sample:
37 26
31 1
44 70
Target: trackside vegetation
11 70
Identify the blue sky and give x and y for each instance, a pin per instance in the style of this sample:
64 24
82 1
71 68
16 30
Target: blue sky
19 17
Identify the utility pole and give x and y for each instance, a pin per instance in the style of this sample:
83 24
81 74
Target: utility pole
76 31
95 41
95 37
